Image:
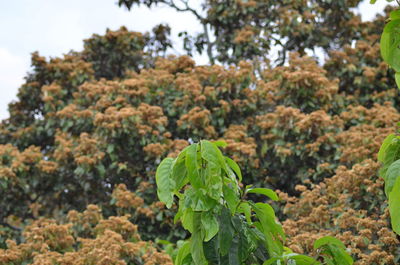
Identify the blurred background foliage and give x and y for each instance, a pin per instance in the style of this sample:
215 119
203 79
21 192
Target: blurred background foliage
79 151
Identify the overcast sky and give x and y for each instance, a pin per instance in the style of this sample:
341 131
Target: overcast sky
56 27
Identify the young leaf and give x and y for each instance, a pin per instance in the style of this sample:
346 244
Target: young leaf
245 208
264 191
165 184
394 206
183 251
326 240
235 167
220 143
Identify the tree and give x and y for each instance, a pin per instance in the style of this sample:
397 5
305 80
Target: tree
254 30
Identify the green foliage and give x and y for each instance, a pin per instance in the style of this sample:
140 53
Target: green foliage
390 42
225 227
389 156
389 153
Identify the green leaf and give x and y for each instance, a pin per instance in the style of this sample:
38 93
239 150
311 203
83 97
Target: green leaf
231 198
213 180
183 252
297 258
226 232
272 230
212 154
187 219
235 167
179 173
392 174
264 191
397 78
192 167
198 200
210 225
385 144
340 256
395 14
211 251
233 253
326 240
372 1
165 184
248 241
301 259
220 143
390 40
196 242
394 206
245 208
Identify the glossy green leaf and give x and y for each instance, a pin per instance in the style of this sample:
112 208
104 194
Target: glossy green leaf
165 184
210 225
220 143
392 174
395 14
192 167
390 41
183 251
187 219
235 167
394 206
198 200
196 242
179 173
264 191
340 256
326 240
245 208
212 154
385 144
231 198
272 230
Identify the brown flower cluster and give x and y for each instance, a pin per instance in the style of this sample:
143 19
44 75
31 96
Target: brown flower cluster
112 241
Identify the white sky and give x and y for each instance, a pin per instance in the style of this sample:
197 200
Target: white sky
56 27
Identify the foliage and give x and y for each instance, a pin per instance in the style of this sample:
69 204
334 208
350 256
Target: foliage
247 30
88 121
225 227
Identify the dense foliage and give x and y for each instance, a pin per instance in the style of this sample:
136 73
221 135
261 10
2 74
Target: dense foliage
93 126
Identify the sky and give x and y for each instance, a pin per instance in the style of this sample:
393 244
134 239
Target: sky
55 27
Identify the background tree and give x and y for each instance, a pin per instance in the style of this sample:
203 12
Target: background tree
87 122
255 30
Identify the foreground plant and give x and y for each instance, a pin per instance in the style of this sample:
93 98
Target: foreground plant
225 227
389 153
